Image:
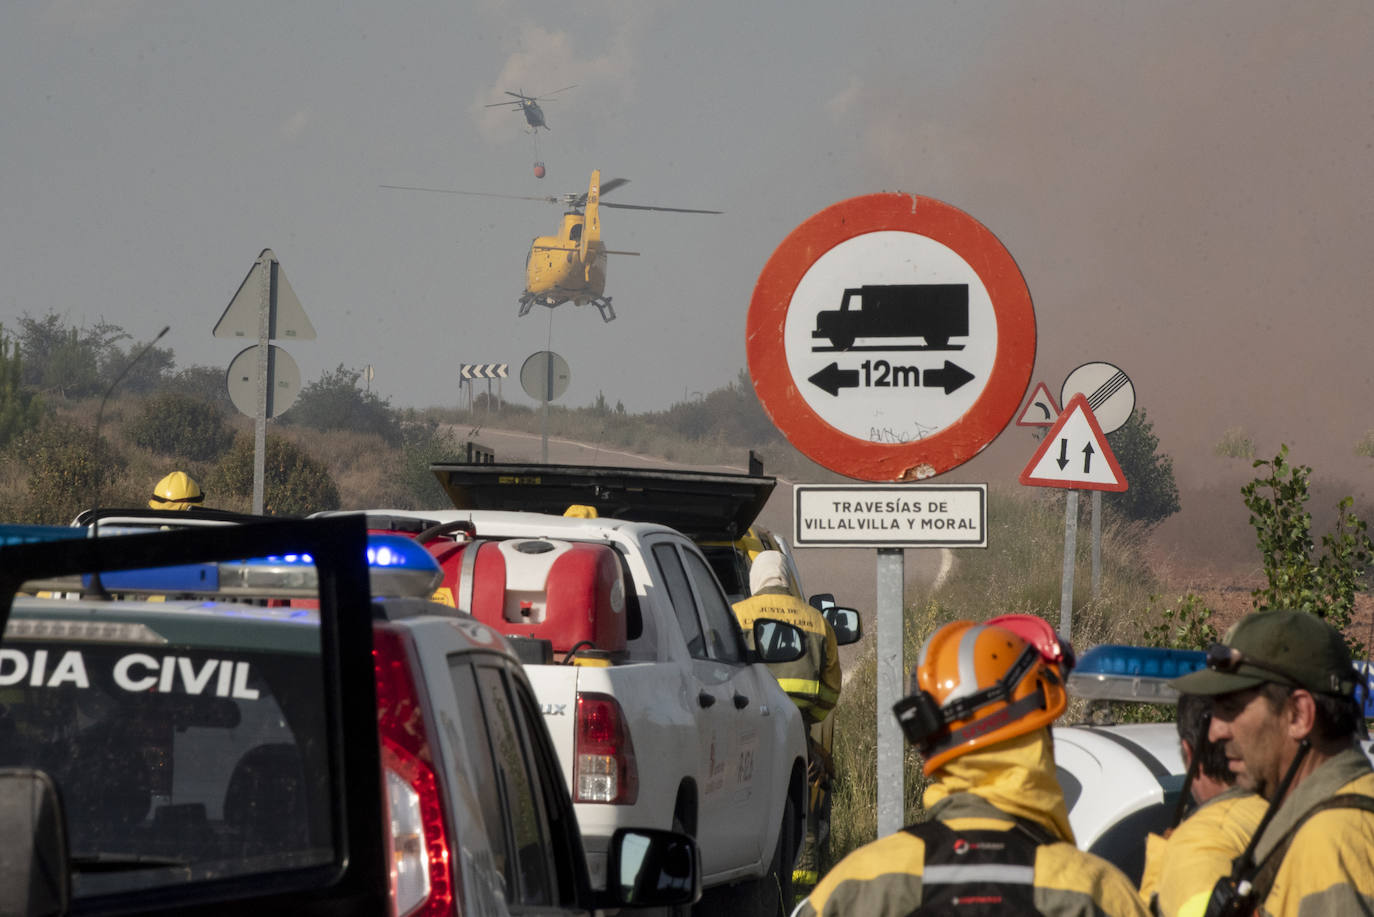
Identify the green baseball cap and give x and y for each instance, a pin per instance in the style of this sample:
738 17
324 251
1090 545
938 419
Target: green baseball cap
1284 647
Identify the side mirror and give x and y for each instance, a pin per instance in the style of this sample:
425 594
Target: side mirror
35 874
845 621
822 600
649 867
775 641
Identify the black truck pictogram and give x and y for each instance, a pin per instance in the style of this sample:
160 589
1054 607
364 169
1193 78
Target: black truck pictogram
934 312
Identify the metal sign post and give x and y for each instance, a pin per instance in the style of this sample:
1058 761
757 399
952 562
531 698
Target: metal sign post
1074 454
266 303
890 338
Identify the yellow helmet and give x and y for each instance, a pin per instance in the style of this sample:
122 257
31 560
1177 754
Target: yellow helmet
977 685
176 491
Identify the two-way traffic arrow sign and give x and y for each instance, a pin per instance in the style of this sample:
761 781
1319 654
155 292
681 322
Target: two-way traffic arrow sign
831 379
1075 454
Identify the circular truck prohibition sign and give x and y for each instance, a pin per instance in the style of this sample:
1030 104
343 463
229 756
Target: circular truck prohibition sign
891 337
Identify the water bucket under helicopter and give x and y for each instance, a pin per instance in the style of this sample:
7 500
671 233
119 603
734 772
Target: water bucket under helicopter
538 170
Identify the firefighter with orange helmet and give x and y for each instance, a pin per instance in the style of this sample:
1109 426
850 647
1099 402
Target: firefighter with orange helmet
998 839
177 490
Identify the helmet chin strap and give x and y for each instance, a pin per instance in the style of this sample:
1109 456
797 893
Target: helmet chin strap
993 721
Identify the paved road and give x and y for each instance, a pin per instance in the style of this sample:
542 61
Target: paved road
849 573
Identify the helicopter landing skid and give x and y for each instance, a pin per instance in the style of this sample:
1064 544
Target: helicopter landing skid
603 303
525 302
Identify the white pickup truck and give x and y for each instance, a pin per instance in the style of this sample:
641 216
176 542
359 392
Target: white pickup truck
661 714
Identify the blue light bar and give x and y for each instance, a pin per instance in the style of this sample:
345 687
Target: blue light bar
1142 661
397 566
29 534
1132 673
1364 690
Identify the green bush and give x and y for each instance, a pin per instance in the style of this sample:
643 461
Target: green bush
294 483
423 443
334 402
68 471
1324 583
181 425
20 409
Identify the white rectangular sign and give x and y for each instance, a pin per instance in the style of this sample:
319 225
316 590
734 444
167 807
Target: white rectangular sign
890 515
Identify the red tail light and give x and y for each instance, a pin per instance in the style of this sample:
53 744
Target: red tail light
421 876
604 769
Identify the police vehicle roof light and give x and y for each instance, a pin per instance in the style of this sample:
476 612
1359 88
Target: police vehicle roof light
1133 673
397 566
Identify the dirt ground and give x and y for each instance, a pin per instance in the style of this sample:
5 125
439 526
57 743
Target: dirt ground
1209 549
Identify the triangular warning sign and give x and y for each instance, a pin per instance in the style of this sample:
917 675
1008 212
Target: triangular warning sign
1041 410
286 317
1075 454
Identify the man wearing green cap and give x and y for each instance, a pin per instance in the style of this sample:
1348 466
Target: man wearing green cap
1285 714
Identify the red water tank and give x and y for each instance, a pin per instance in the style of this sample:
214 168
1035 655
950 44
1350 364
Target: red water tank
538 170
566 592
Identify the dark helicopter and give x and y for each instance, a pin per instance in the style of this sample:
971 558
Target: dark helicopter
534 115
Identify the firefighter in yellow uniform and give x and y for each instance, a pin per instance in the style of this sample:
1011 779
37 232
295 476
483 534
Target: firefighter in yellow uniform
998 839
1183 865
177 490
813 681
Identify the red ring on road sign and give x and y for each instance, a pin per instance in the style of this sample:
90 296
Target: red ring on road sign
976 427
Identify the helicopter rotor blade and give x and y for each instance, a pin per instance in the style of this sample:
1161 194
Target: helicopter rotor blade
501 104
517 197
611 251
663 209
571 86
610 185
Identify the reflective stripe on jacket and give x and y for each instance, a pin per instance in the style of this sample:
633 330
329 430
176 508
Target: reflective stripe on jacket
1182 870
1329 868
984 789
890 877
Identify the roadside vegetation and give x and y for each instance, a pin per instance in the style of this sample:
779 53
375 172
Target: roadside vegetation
1020 572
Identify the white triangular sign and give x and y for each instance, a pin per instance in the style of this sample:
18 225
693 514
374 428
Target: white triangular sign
286 315
1041 410
1075 454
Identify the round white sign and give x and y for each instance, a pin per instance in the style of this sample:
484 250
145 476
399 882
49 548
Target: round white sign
900 356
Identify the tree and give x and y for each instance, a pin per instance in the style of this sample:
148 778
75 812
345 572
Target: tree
68 471
20 409
68 360
176 424
335 402
1152 495
294 482
1324 585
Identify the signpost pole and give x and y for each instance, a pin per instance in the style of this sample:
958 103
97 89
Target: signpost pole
1097 544
891 776
1070 550
265 307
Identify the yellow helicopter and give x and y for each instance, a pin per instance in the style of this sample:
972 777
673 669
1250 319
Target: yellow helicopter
571 266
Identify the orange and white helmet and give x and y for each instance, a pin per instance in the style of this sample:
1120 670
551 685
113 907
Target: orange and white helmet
977 685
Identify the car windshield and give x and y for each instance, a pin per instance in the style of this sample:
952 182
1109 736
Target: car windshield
179 734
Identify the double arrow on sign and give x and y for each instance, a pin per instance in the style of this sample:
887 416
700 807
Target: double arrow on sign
951 377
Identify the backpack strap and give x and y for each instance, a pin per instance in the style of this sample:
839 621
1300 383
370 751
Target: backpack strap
1268 868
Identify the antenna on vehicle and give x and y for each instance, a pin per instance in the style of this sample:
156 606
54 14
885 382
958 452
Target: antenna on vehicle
97 590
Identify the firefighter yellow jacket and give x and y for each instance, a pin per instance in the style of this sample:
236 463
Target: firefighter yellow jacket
813 681
982 790
1329 868
1181 871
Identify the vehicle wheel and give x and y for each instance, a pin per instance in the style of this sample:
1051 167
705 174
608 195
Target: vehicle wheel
767 896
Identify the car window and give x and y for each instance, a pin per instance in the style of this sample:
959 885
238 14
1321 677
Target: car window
477 745
180 739
680 594
518 784
722 626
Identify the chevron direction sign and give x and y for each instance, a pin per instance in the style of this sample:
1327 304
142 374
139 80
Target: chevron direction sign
469 371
